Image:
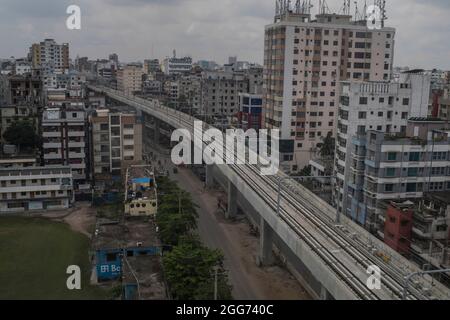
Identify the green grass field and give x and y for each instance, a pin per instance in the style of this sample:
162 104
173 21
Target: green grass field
34 256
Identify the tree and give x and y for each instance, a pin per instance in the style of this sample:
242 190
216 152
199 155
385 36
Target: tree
22 134
177 213
327 147
190 268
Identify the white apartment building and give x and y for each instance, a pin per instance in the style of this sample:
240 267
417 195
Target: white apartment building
176 65
22 68
129 79
35 188
63 81
381 106
304 62
65 138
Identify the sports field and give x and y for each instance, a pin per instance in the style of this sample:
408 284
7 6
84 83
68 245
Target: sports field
34 256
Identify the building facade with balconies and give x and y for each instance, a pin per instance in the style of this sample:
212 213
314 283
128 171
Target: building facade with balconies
65 141
25 189
116 141
304 61
371 106
396 168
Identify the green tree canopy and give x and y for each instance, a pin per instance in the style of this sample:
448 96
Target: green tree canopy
327 147
22 133
190 271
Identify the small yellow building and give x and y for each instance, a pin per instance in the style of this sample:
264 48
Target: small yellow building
141 192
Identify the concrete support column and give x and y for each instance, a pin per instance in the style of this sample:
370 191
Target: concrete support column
209 179
324 295
232 201
266 257
156 136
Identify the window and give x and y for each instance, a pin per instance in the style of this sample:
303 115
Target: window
389 188
390 172
392 156
411 187
413 172
363 100
414 156
362 115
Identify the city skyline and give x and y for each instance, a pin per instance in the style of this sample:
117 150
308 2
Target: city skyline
222 28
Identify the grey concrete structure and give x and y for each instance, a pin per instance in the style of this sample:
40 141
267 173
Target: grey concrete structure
331 260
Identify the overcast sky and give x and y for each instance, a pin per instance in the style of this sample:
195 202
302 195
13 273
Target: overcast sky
203 29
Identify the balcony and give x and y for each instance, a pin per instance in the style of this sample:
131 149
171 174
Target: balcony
52 156
51 134
76 134
77 155
52 145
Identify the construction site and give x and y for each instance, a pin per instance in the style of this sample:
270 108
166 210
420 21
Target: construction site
127 251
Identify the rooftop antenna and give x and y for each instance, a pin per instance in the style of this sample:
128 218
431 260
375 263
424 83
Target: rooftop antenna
356 11
323 7
382 5
346 8
303 7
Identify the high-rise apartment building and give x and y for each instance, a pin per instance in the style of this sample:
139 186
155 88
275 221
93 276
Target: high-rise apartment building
116 141
304 62
365 106
129 79
50 57
65 140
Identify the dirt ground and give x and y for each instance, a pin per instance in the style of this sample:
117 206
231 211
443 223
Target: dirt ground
81 218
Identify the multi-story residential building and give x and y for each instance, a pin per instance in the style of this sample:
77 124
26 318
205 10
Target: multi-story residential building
443 104
389 167
4 90
250 111
151 66
176 65
364 106
116 142
23 90
65 141
129 79
430 241
190 92
207 65
63 81
50 56
22 68
35 188
171 89
152 87
304 62
221 92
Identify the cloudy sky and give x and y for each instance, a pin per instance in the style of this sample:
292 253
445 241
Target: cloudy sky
204 29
